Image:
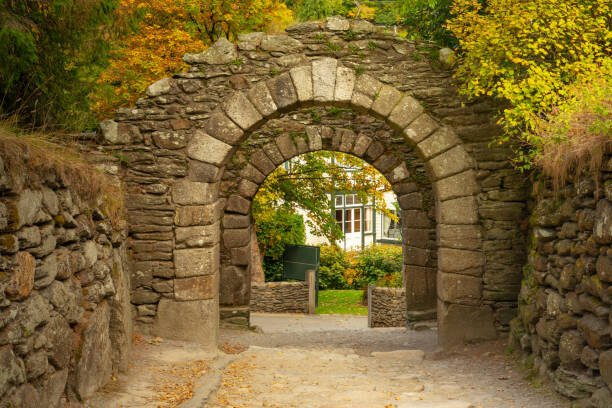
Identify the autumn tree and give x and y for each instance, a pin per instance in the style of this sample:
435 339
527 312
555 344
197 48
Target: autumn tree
157 33
542 59
306 183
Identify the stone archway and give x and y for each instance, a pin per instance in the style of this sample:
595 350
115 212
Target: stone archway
181 142
324 81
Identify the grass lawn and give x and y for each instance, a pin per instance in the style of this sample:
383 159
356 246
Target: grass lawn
341 302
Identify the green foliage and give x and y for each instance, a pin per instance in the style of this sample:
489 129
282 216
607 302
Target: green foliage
333 264
422 19
529 54
304 183
341 302
273 269
318 9
51 53
277 228
379 264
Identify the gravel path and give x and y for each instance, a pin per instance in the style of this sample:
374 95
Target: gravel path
336 361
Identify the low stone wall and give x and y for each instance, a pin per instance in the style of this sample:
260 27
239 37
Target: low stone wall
564 321
386 307
65 318
279 297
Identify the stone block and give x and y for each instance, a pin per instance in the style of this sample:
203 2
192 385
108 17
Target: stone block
282 91
596 331
459 324
247 188
405 112
324 78
605 367
185 192
238 204
286 146
197 236
367 86
459 185
440 141
203 172
604 267
222 128
260 97
461 261
458 211
196 261
187 216
460 236
420 288
161 87
262 163
196 288
236 221
302 80
453 161
93 367
420 128
315 142
361 145
196 321
13 371
386 99
234 238
21 280
221 52
271 150
251 173
336 23
240 256
460 289
602 228
207 149
280 43
241 110
234 286
169 140
398 174
345 83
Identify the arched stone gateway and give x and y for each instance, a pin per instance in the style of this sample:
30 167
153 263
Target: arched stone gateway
198 147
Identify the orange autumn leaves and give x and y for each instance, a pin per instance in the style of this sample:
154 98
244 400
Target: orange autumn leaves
153 36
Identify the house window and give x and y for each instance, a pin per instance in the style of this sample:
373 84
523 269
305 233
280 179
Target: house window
339 219
367 220
391 229
339 200
356 219
352 199
348 227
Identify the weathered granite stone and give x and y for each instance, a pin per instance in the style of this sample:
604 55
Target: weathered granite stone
207 149
21 280
119 133
405 112
196 261
241 110
282 91
386 99
58 334
93 367
458 211
13 371
195 320
345 83
459 289
450 162
336 23
420 128
461 261
605 366
602 229
197 236
221 52
169 140
191 215
463 323
280 43
221 127
234 238
185 192
260 97
324 79
302 80
440 141
195 288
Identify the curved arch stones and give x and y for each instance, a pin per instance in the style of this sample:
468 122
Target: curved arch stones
326 81
177 144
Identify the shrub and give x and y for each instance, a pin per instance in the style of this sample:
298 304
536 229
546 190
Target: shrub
333 265
379 263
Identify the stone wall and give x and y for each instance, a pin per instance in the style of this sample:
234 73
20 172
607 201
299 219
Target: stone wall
564 321
279 297
386 307
185 144
65 319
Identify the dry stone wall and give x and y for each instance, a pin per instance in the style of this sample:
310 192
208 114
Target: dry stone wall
65 318
179 141
564 321
279 297
386 307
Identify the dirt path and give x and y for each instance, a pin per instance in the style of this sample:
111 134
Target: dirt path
323 361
